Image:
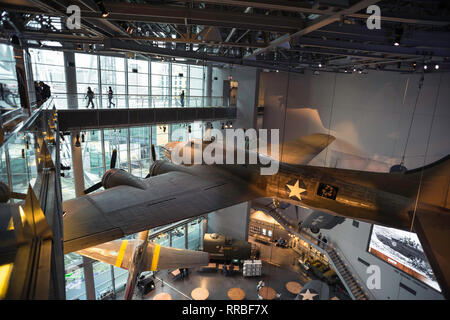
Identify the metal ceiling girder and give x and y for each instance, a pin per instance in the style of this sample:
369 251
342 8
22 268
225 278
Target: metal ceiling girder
312 26
379 48
298 7
385 36
118 45
177 15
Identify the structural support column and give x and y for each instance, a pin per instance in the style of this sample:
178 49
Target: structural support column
71 80
78 174
208 85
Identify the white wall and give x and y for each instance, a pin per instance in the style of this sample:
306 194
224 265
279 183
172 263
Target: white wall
247 79
365 112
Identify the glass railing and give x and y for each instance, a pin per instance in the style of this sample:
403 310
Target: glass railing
122 101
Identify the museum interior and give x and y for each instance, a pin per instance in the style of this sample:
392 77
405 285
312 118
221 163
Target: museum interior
96 96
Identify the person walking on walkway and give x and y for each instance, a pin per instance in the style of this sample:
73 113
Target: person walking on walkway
182 98
90 96
110 96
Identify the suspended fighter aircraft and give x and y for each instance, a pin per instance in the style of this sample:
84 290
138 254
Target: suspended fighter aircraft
416 198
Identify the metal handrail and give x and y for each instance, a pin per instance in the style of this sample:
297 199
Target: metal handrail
352 271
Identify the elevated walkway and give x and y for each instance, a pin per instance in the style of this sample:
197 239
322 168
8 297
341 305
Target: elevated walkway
79 119
346 274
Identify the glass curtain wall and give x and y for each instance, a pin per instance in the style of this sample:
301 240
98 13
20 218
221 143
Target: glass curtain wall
8 78
196 86
179 84
22 162
113 75
87 76
117 139
140 151
138 83
92 157
48 66
160 85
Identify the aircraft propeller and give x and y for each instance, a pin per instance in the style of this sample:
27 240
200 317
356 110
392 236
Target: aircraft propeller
112 165
153 159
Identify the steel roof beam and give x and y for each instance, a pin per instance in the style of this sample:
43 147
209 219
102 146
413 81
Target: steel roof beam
312 26
366 47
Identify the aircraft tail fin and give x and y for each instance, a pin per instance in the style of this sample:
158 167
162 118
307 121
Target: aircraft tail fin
304 149
432 226
435 183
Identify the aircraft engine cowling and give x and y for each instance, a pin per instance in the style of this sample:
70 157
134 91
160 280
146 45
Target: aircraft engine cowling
160 166
118 177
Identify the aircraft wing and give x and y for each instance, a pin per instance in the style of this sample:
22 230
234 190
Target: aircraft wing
304 149
119 253
113 213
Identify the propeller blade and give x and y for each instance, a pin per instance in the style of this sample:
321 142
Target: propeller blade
113 159
96 186
17 195
153 153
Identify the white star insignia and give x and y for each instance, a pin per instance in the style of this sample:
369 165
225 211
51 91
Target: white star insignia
308 295
295 190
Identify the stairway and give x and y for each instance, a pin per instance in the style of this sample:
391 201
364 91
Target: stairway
353 287
345 275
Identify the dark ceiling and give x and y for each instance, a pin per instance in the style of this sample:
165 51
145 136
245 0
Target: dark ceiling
328 35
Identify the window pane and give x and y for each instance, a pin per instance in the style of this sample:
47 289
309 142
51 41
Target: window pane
85 61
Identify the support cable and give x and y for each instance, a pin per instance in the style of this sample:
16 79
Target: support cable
426 152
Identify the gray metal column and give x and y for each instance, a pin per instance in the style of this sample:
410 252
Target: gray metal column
126 83
170 84
128 150
149 83
186 236
77 165
99 79
208 85
71 80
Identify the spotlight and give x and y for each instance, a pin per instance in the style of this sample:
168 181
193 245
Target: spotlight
425 67
436 67
320 65
354 69
77 142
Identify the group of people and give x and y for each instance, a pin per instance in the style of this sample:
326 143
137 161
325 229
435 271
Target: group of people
183 272
227 270
90 96
42 90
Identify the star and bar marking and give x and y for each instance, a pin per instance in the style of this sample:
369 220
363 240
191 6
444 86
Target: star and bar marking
295 190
